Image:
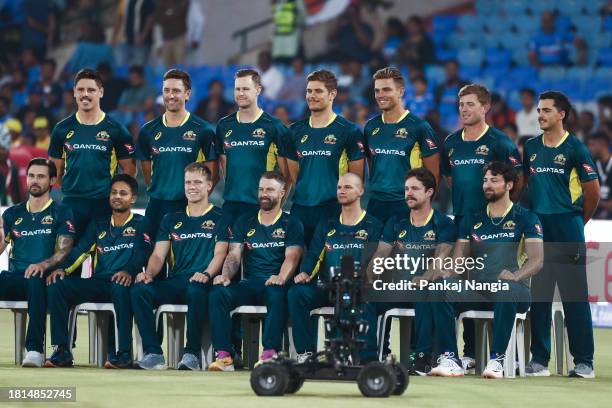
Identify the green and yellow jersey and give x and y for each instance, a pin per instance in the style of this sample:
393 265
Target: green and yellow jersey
90 153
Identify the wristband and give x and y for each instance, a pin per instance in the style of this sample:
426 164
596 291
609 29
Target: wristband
207 275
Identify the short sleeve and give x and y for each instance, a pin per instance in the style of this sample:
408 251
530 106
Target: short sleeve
289 149
65 224
122 142
509 153
388 234
239 232
295 233
355 147
427 140
526 159
7 221
219 140
165 228
56 145
445 166
533 227
222 230
207 143
584 164
447 231
143 146
465 228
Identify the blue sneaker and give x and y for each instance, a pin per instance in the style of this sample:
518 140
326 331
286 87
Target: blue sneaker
119 360
152 362
61 357
582 371
189 362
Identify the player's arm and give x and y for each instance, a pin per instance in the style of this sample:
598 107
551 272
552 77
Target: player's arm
128 166
213 166
60 165
156 262
383 250
293 254
284 169
223 165
315 256
293 168
231 265
517 190
443 250
590 190
432 163
146 171
64 245
357 167
215 265
535 261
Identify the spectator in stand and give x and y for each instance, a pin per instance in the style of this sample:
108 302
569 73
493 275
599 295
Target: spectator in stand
604 113
500 115
38 30
586 124
418 48
295 85
139 96
91 50
113 88
214 106
35 105
446 92
282 113
10 187
15 128
68 104
395 34
549 45
512 131
352 35
420 100
5 104
132 17
527 118
171 16
51 90
41 132
21 155
19 89
29 62
599 145
271 78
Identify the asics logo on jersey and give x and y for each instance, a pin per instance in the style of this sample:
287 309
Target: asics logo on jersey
251 232
478 225
330 233
157 135
69 134
402 234
375 131
18 221
228 133
178 225
304 139
533 157
102 235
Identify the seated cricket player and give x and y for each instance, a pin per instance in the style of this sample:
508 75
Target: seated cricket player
196 241
423 233
347 235
508 238
40 232
270 244
119 246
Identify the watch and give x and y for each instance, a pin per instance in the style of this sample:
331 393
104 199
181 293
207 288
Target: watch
207 275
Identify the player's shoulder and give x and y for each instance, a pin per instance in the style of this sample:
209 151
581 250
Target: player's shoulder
453 137
290 219
343 123
441 219
152 125
228 120
246 221
574 142
13 210
415 121
372 222
59 206
533 142
300 124
523 213
68 122
373 122
498 136
197 122
174 217
216 212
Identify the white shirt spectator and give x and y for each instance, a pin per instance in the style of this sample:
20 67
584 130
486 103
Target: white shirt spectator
527 123
272 81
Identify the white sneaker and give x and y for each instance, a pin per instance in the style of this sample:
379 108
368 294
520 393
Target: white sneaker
468 363
448 366
301 358
495 368
33 359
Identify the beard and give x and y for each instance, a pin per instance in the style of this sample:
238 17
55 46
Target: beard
267 204
491 196
39 192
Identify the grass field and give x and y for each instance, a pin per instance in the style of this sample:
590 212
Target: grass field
136 388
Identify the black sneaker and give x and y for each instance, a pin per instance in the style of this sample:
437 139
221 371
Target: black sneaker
421 364
119 360
61 357
238 362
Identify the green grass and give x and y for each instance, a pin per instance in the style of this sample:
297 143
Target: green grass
173 389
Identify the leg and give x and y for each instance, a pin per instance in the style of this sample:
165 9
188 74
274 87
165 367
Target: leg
275 298
506 304
120 296
37 314
302 299
197 311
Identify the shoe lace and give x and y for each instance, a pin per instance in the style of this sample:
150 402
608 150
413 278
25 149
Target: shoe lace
496 363
446 359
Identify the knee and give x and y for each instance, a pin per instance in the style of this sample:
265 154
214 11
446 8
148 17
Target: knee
197 291
36 283
276 294
218 294
56 288
138 291
296 295
120 291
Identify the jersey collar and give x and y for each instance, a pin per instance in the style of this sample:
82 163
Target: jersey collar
505 213
565 136
185 119
486 129
363 214
210 206
397 121
431 213
97 123
42 209
126 221
254 120
334 116
280 212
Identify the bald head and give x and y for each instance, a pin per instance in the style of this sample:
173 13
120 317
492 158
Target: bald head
350 189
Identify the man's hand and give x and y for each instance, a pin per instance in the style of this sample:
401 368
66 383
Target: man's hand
143 277
221 280
36 269
507 275
275 280
122 278
302 277
58 273
2 236
199 277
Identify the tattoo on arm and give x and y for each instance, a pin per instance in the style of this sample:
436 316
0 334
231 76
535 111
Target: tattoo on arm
64 245
231 265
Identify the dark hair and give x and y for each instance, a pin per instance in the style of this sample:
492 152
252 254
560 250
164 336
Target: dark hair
249 72
396 24
424 176
41 161
599 135
199 167
127 179
501 168
327 77
275 175
390 73
87 73
528 91
136 69
179 74
51 62
482 93
560 101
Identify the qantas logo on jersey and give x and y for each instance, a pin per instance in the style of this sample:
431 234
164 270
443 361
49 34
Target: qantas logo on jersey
189 135
245 143
20 234
174 149
47 219
259 132
391 152
195 235
466 162
103 136
547 170
82 146
115 247
334 247
305 153
485 237
264 245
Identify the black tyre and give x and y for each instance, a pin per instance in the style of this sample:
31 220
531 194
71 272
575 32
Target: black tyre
401 378
376 380
270 379
295 383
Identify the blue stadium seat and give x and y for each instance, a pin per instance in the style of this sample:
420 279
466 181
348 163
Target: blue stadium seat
499 24
579 73
492 40
607 24
523 76
444 23
439 39
463 40
594 89
444 54
603 73
498 57
604 57
570 7
514 41
487 7
552 73
563 23
601 40
469 23
587 25
593 6
540 6
527 25
122 71
591 56
469 73
496 72
470 57
514 8
513 99
435 74
520 57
